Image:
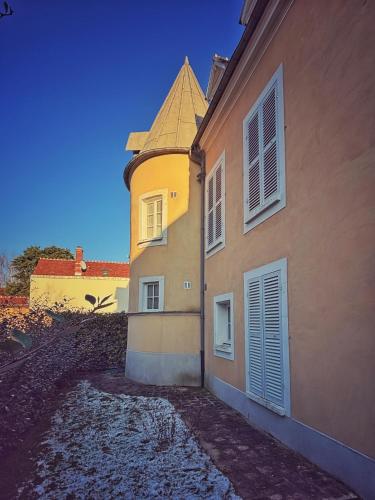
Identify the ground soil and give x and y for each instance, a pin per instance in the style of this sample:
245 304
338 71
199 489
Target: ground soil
258 466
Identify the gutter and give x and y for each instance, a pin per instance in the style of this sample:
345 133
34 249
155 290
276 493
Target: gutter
198 156
255 16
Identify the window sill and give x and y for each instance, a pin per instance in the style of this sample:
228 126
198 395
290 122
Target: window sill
264 214
224 351
152 242
215 248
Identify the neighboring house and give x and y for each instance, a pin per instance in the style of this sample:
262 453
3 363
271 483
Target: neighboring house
164 305
67 281
287 266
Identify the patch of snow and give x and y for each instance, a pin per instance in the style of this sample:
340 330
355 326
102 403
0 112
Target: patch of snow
103 445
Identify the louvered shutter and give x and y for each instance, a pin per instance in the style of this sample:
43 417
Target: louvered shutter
210 212
262 163
273 362
270 169
215 207
255 340
218 204
253 166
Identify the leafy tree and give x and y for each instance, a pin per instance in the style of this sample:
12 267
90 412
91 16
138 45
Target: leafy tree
23 266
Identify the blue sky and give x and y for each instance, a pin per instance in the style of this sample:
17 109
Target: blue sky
75 78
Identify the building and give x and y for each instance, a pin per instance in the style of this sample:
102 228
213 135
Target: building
286 150
67 281
289 319
164 301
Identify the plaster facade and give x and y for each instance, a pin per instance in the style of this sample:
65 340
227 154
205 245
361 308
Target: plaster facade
326 230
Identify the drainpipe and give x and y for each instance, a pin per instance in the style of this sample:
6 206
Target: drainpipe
197 155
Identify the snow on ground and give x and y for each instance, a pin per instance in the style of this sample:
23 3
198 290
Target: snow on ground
103 445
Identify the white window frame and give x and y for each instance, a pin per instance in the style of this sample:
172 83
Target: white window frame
218 243
281 266
223 349
143 240
278 202
142 299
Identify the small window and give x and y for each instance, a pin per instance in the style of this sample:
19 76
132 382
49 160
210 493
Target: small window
263 155
105 272
151 294
153 220
215 207
223 326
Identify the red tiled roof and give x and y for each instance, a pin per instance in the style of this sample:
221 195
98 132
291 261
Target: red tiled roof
14 300
65 267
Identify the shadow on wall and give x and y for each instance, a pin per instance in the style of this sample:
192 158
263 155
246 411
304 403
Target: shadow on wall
178 260
121 296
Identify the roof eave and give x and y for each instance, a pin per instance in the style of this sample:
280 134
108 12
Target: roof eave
256 14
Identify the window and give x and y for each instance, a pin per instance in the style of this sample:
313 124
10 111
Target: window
151 294
215 207
263 150
223 326
153 218
266 336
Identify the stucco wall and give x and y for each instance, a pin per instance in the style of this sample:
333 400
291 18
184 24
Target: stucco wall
326 230
164 333
46 290
178 261
164 348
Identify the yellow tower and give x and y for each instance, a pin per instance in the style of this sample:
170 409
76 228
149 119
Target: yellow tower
164 310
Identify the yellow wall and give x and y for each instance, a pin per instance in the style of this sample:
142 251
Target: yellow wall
178 261
46 290
164 333
326 230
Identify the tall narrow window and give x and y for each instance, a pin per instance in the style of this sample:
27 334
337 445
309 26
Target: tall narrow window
263 129
215 206
153 218
267 335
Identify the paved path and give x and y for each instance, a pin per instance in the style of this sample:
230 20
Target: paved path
258 466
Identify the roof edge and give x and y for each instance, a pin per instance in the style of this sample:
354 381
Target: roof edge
146 155
256 14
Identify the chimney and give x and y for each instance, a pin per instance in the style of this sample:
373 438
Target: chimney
79 259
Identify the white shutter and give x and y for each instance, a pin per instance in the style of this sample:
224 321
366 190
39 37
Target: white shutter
273 363
218 204
255 342
270 185
215 216
262 152
253 166
210 212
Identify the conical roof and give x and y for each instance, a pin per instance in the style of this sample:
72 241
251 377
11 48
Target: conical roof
176 124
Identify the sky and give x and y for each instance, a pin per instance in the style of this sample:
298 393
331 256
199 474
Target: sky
76 77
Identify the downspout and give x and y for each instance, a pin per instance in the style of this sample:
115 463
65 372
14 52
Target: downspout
198 156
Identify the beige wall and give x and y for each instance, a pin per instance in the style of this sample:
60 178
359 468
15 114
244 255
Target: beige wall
327 228
178 261
46 290
164 333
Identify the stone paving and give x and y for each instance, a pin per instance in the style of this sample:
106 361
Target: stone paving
258 466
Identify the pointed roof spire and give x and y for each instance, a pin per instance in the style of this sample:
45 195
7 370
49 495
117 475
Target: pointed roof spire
178 119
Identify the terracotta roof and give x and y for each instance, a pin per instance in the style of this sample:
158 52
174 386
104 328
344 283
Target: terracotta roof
14 301
66 267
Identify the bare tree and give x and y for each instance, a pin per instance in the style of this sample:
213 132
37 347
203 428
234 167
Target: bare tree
4 270
8 11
